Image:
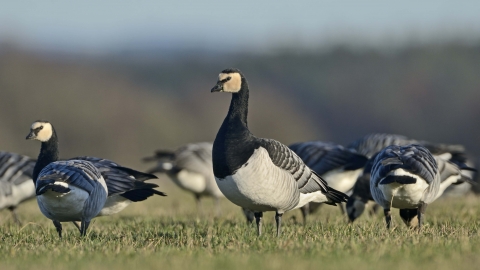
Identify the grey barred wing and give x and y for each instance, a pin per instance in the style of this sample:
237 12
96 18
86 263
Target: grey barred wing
15 168
415 159
284 158
79 173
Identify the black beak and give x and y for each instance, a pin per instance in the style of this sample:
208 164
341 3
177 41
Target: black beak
31 135
217 88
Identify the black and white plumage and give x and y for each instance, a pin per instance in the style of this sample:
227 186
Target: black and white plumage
339 166
189 167
16 185
124 185
371 144
409 178
261 174
72 190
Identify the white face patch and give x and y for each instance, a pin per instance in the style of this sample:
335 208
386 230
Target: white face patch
234 84
45 133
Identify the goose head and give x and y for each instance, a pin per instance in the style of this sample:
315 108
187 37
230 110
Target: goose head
40 131
230 81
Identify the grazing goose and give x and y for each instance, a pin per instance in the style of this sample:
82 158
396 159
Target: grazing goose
361 194
339 166
371 144
70 190
190 167
410 178
16 185
261 174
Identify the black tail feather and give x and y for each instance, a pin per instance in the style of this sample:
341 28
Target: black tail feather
401 179
334 196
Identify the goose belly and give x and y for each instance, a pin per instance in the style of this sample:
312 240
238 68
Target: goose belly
190 181
63 206
19 193
342 180
404 196
113 205
261 186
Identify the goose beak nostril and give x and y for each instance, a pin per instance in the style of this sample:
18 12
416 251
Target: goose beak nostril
30 135
217 88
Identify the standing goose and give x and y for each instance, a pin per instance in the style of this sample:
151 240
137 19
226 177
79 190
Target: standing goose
16 185
70 190
409 178
339 166
190 168
261 174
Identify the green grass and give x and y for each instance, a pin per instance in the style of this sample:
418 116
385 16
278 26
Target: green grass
166 233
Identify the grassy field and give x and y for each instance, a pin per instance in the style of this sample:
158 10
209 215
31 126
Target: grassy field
167 233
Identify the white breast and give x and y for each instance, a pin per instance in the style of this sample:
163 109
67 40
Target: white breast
403 196
63 206
20 193
259 185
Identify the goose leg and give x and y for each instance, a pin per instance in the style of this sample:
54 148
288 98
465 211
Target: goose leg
421 212
199 204
77 225
342 208
84 227
373 210
14 215
249 215
388 217
278 219
58 226
305 211
258 219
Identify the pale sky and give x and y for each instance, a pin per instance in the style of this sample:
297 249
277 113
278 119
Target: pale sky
109 25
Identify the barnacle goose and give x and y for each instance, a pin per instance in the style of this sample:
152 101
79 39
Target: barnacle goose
371 144
124 185
189 167
261 174
339 166
410 178
16 185
70 190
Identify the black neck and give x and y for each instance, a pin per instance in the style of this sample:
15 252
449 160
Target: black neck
48 154
238 110
234 143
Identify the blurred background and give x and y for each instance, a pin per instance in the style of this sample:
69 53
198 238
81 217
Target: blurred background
119 79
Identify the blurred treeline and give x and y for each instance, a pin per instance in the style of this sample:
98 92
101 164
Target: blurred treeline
123 106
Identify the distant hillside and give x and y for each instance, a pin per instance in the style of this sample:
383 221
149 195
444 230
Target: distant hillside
104 112
430 92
